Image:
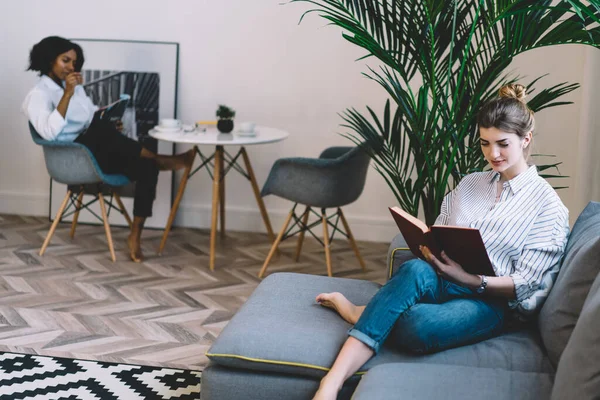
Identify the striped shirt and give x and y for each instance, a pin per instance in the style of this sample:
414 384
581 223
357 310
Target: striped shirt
525 229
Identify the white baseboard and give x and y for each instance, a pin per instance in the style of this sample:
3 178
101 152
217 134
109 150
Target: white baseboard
24 203
249 220
199 216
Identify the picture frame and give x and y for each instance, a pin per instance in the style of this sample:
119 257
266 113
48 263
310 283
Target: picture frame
149 72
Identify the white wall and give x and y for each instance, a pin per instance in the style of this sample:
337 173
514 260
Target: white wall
254 56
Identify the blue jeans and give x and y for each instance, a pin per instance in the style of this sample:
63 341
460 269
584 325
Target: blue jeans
424 313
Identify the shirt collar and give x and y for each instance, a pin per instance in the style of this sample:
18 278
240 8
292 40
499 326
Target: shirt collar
49 83
519 181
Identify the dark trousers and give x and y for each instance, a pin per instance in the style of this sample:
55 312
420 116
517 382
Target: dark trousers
118 154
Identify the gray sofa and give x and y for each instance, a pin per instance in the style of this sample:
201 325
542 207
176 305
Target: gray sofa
281 342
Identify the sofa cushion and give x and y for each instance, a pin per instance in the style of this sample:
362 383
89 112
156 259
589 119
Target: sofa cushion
578 374
282 329
579 269
427 381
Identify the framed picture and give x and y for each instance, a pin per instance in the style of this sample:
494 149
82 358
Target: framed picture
148 73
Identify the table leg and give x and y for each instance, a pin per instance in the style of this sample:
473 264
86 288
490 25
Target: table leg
261 204
215 205
182 185
222 196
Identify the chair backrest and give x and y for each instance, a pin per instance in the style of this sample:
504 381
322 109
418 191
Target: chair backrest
68 162
353 164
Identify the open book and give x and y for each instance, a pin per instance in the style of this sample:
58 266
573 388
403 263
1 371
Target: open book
463 245
113 111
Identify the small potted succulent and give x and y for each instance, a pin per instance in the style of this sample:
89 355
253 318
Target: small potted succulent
225 116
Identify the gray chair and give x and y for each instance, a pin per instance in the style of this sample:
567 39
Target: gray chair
74 165
333 180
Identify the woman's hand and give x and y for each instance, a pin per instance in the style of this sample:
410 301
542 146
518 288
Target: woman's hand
450 270
72 80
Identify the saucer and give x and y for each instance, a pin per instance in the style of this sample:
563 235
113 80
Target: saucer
246 133
167 130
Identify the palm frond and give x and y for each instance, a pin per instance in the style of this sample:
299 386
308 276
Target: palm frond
459 51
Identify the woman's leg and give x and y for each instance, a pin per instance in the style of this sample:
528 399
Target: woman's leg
144 171
428 328
169 163
416 281
352 356
118 154
114 150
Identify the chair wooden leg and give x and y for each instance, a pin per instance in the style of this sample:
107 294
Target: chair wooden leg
123 209
352 241
276 244
55 223
76 214
215 206
261 204
222 196
182 185
106 227
301 235
326 242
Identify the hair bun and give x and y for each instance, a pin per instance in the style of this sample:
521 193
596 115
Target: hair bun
513 91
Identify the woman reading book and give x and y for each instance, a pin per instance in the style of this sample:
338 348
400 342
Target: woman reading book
59 109
432 305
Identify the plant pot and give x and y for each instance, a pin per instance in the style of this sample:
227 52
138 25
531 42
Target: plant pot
225 125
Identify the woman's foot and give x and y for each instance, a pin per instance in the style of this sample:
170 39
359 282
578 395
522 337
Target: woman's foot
135 248
173 163
337 301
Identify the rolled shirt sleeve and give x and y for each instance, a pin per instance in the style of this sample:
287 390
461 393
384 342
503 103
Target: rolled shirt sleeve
42 114
41 104
536 269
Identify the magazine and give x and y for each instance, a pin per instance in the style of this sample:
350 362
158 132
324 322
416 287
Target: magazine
114 111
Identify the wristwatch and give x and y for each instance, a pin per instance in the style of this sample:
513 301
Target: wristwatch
481 288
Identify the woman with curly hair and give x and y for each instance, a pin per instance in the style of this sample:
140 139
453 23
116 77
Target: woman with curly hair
59 109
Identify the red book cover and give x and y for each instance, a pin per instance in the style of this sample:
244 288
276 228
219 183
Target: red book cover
463 245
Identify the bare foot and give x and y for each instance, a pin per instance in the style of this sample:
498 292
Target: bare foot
337 301
173 163
188 158
326 391
135 249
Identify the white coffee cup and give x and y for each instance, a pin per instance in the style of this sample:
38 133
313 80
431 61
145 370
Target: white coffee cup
170 123
247 127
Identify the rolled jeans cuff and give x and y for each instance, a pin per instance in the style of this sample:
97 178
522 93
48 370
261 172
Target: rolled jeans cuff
370 342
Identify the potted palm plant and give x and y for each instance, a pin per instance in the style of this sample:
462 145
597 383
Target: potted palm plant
225 117
440 60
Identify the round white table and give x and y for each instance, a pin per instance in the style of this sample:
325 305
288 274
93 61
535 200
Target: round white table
218 165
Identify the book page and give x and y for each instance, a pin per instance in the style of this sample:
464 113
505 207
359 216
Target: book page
415 221
414 231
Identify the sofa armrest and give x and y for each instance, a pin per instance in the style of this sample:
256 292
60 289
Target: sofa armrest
431 381
398 253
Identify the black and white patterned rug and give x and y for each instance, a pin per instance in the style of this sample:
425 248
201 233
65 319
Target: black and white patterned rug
25 376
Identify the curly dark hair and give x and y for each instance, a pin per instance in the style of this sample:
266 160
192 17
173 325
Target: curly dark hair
44 53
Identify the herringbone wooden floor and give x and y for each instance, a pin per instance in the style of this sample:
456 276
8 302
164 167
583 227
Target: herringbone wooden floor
74 302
